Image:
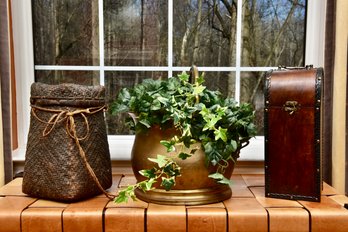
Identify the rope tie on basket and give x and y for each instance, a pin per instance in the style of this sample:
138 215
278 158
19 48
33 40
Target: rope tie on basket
70 127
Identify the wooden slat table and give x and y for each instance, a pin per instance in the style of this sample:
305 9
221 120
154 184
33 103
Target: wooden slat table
247 210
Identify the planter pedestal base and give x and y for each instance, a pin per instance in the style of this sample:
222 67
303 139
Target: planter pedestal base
186 197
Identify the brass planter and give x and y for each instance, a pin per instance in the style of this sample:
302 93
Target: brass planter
193 187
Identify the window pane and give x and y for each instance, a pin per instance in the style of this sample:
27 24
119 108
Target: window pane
222 81
273 33
252 91
65 32
55 77
204 33
135 32
114 82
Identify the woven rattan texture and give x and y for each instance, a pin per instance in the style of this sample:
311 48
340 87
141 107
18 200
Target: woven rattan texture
54 168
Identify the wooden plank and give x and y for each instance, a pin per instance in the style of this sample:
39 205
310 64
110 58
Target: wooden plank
328 190
249 167
10 212
127 180
340 199
130 204
121 167
327 215
41 203
116 179
288 219
85 215
42 219
254 180
94 203
214 205
244 214
125 219
13 188
15 182
239 187
166 218
206 219
267 202
43 215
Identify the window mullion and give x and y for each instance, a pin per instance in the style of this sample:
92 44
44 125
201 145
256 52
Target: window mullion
101 42
238 49
170 38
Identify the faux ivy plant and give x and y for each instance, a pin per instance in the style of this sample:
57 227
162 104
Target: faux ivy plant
219 124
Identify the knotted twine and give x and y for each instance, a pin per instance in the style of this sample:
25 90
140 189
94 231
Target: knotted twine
70 127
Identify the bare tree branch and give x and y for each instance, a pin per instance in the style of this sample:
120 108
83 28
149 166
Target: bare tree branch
228 6
274 44
224 29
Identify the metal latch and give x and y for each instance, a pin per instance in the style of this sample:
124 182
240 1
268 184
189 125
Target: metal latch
291 107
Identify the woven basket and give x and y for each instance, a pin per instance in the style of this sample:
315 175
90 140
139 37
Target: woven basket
67 156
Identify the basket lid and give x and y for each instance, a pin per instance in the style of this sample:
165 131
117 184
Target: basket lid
67 95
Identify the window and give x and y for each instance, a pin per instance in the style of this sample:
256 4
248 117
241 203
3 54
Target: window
119 43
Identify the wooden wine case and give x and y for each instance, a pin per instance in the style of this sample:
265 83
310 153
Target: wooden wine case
293 133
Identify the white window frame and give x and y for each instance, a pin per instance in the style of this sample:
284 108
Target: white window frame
120 145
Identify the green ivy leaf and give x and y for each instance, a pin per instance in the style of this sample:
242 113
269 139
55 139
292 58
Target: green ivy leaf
208 148
187 141
216 176
161 160
200 79
184 76
176 117
149 184
221 111
169 145
204 111
148 173
184 155
225 181
145 185
213 157
210 123
230 148
221 134
163 100
251 129
145 122
125 194
171 169
156 105
234 145
168 183
198 89
220 178
122 197
187 130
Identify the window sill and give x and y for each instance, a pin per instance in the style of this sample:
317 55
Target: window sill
121 147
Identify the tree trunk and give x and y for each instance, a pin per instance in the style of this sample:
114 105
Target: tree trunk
95 38
231 84
196 42
183 47
57 39
275 44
